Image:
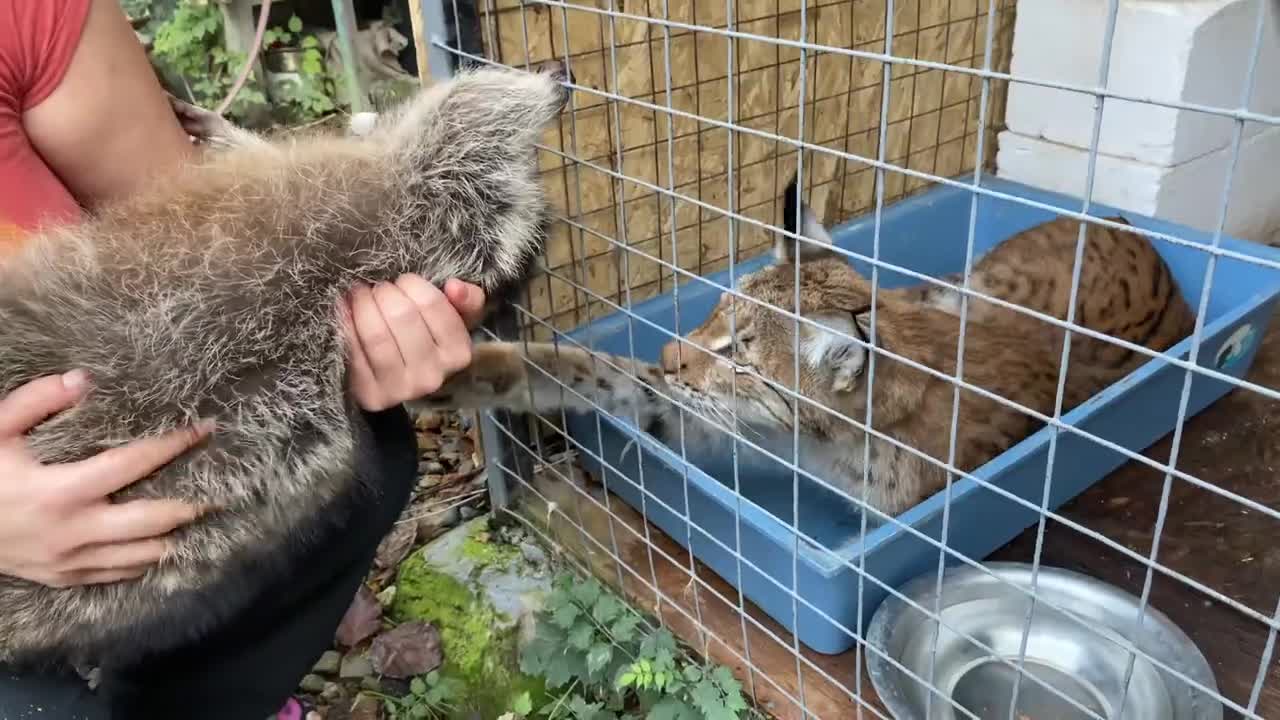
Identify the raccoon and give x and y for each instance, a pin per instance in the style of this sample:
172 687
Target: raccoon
212 295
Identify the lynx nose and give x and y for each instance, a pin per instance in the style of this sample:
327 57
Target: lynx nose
560 73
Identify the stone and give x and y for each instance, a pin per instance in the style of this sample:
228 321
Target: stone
370 683
355 666
467 512
387 596
533 554
434 468
332 691
312 683
478 605
430 420
366 708
328 663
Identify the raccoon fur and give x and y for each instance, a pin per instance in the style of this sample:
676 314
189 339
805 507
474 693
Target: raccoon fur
213 295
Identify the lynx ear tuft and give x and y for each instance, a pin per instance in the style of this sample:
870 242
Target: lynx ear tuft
800 219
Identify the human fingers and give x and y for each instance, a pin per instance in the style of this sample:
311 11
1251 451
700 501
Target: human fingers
467 299
375 337
31 403
417 345
92 577
112 523
112 470
361 379
117 556
453 343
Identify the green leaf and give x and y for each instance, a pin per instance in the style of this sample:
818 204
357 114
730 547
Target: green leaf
581 636
523 704
433 677
725 679
626 679
312 65
417 686
660 679
565 615
587 592
599 657
561 670
624 630
295 24
419 710
660 639
671 709
310 41
708 698
606 609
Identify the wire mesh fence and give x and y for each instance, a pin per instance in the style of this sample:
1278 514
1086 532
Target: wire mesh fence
669 175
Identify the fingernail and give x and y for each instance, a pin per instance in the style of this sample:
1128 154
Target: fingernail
76 380
206 426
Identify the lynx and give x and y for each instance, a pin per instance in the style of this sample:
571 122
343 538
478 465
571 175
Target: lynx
212 295
739 363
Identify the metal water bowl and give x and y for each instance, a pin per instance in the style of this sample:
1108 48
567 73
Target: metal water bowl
1074 667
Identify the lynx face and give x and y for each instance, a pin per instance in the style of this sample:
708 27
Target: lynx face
719 369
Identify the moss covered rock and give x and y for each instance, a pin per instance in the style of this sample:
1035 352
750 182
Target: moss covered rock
478 593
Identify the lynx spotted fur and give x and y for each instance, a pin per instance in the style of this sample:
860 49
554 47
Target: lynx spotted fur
213 295
1126 290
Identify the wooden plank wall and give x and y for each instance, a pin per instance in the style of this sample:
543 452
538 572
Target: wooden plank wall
933 126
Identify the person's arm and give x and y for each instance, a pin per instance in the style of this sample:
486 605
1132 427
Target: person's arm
108 125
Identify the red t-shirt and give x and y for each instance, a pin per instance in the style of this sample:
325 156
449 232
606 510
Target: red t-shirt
37 41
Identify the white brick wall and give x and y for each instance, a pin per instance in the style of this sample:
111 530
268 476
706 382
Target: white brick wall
1153 159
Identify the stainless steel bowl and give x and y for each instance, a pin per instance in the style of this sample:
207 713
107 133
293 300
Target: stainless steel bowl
1073 669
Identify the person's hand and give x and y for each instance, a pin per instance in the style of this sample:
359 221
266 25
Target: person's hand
406 338
58 527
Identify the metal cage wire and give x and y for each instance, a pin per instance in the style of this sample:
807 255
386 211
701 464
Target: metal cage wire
519 449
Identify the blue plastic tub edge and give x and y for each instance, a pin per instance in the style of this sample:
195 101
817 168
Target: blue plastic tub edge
831 603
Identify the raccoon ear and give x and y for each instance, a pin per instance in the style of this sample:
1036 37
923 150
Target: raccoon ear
838 351
800 219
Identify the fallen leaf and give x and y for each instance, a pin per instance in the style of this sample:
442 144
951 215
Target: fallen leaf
406 650
363 618
396 545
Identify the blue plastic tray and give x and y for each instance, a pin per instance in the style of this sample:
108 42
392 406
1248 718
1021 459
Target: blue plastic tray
927 234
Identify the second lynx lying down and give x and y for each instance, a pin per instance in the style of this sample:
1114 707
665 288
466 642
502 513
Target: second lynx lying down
748 373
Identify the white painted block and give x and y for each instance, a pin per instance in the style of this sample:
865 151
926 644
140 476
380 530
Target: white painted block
1186 50
1189 193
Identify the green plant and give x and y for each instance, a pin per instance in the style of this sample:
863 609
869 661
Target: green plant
190 45
592 651
312 96
136 8
431 696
